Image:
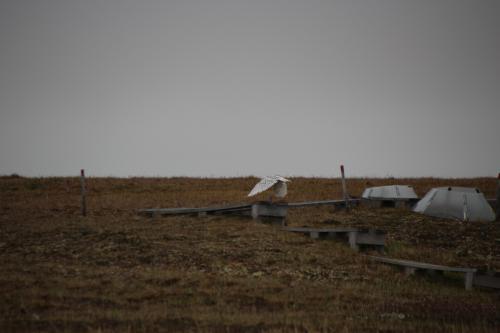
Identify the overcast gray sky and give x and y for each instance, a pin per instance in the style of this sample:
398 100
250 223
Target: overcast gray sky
257 87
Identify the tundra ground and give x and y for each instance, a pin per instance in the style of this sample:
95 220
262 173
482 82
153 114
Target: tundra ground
115 271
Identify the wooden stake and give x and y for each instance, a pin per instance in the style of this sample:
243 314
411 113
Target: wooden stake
344 188
498 198
82 183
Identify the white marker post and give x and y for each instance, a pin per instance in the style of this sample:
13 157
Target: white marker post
344 188
82 183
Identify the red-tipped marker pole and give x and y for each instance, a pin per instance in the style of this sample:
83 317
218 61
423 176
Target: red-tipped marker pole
498 198
344 187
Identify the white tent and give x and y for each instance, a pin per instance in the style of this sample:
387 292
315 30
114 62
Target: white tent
391 192
462 203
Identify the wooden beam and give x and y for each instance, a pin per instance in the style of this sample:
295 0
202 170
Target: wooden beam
355 237
410 267
238 208
498 199
83 192
306 230
181 211
344 188
421 265
323 202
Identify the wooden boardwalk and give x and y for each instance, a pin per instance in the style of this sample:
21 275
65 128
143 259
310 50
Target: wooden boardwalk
355 237
234 209
410 267
255 209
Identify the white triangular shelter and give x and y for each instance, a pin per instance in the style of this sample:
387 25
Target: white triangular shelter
462 203
390 192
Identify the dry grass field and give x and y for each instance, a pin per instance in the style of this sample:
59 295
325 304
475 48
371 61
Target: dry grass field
115 271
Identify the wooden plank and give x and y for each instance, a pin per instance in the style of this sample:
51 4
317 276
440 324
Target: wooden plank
325 230
322 202
411 266
355 237
422 265
180 211
233 208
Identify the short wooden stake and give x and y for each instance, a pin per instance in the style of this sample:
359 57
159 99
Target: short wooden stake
498 198
353 240
82 183
410 271
344 188
469 279
314 235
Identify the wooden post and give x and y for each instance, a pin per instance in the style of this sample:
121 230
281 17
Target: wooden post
469 279
497 202
410 271
82 183
314 235
353 240
344 188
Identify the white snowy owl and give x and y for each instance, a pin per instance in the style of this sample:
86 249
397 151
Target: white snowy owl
278 184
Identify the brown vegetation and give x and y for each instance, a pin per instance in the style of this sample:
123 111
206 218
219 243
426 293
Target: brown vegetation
115 271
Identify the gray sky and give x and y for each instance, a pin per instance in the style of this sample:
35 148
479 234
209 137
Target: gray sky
229 88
